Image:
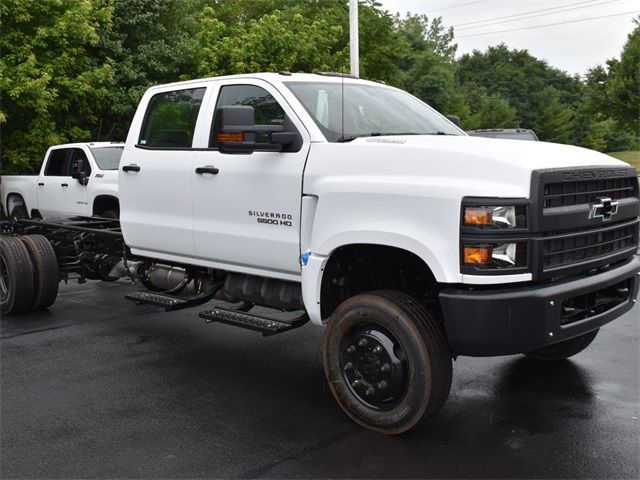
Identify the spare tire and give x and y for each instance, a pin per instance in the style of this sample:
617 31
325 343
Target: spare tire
16 276
46 273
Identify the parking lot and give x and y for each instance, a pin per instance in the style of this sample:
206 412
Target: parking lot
100 387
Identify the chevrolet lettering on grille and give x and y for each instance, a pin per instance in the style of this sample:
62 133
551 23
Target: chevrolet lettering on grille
604 208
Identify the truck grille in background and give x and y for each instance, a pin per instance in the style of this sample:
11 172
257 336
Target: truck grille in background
564 247
561 194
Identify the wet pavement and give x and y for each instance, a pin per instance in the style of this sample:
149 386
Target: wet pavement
100 387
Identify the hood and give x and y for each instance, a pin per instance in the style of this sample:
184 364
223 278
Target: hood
518 154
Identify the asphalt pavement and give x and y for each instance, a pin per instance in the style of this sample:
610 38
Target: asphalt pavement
99 387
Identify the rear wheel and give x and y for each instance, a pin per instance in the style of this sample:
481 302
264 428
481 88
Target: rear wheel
563 350
45 264
386 360
16 276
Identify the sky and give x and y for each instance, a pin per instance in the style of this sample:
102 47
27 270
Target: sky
573 47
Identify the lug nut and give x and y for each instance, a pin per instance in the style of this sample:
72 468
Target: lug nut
348 366
385 368
363 343
351 349
381 385
355 383
378 349
370 391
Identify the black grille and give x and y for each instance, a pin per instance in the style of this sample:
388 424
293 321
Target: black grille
564 247
561 194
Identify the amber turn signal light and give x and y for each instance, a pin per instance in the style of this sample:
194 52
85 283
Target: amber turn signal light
477 255
230 137
478 216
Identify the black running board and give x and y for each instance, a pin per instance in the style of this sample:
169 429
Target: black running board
251 321
167 302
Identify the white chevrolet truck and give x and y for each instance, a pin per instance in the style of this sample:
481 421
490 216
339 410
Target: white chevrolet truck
276 199
74 179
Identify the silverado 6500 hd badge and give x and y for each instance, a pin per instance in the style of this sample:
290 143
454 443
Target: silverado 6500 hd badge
272 218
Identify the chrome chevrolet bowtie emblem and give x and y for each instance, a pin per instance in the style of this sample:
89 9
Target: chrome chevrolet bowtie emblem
604 208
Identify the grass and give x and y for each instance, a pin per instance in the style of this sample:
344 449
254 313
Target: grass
632 157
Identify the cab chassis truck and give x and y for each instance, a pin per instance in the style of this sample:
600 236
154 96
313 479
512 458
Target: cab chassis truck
274 199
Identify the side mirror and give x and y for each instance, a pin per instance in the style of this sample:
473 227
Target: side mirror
81 177
454 119
236 131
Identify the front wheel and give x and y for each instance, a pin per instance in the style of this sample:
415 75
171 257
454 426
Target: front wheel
564 350
386 360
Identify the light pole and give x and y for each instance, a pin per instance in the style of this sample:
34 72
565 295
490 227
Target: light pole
354 48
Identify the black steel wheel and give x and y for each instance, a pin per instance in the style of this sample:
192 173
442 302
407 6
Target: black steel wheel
387 361
563 350
47 276
16 276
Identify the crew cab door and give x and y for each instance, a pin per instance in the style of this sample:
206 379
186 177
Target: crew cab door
59 194
155 174
246 215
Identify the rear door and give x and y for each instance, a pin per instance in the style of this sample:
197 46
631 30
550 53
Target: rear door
154 180
247 216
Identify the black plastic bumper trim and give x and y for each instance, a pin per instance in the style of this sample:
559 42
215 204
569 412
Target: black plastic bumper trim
521 319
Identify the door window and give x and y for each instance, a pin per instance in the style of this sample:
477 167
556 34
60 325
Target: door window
267 109
170 119
57 164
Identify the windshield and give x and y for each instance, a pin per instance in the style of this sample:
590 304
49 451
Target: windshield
107 158
369 110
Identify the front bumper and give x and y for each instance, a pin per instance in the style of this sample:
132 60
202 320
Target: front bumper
518 320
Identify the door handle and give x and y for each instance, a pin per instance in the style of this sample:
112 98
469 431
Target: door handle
40 184
131 168
64 184
207 169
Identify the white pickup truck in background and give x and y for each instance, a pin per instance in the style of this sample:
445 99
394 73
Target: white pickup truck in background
75 179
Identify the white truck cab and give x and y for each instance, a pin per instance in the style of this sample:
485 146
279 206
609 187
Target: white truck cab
283 198
75 179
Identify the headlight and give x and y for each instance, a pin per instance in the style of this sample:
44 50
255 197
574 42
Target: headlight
494 238
505 255
498 217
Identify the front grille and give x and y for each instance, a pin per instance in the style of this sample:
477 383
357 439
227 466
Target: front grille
565 247
561 194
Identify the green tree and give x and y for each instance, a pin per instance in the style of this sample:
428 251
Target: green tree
148 43
518 77
49 82
553 122
624 83
429 66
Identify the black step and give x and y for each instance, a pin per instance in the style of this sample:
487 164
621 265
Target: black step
165 301
268 325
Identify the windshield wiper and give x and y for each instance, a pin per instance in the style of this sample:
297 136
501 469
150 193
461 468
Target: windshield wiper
390 134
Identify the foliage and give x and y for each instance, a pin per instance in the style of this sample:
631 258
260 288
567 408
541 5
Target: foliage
623 86
49 81
74 70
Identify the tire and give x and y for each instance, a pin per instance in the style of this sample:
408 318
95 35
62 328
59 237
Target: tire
19 212
110 214
401 372
46 274
563 350
16 276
